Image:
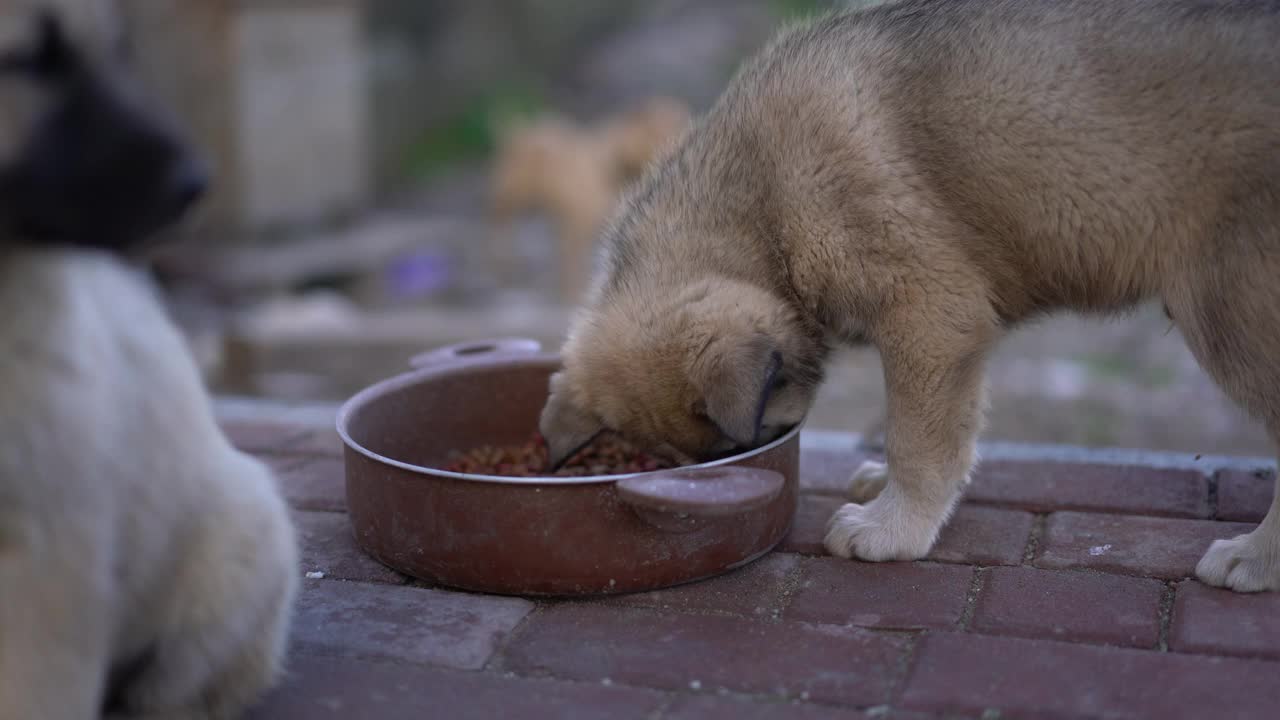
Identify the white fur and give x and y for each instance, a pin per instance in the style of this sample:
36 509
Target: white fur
1245 563
867 481
128 523
883 525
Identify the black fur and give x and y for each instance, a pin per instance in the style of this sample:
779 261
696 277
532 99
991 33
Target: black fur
98 169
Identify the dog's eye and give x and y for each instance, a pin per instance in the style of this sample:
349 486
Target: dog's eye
49 58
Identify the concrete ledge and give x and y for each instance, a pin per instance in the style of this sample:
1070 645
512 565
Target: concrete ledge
316 415
996 450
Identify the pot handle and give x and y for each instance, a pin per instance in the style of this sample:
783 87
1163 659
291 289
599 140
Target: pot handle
672 499
497 347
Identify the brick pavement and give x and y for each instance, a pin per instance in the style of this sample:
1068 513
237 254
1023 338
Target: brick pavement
1059 590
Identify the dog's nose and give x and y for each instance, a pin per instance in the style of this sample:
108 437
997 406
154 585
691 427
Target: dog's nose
188 183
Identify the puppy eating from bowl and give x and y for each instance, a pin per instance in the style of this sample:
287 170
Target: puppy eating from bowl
147 568
925 176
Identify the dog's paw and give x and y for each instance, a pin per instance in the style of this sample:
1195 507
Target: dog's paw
1244 563
878 531
868 481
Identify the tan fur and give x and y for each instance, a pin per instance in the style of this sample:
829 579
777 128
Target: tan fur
576 174
146 566
925 176
637 137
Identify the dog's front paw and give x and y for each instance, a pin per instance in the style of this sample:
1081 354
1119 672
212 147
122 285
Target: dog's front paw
877 531
868 481
1245 563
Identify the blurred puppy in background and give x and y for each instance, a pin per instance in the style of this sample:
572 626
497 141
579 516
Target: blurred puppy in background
576 174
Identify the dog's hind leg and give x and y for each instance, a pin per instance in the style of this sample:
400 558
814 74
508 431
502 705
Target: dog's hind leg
868 481
220 654
221 642
1229 312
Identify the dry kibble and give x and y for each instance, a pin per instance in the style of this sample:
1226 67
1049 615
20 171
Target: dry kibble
607 455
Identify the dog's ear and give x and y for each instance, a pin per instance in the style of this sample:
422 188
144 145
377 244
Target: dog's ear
52 54
737 380
566 427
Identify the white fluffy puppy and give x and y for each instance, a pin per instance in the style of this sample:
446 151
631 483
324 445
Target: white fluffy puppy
147 567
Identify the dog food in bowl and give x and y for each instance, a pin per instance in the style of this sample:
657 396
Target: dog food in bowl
607 455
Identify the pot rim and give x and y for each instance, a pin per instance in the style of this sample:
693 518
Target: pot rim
399 382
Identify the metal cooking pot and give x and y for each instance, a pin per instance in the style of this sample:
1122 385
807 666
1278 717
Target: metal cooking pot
541 535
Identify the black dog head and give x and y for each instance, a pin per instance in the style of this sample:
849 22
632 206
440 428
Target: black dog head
93 165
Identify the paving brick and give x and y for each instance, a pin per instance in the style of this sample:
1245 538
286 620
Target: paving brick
983 536
259 437
1015 677
317 688
885 595
810 525
327 545
828 471
676 651
1245 496
1221 622
317 483
708 707
756 589
403 623
1070 605
1049 486
1153 547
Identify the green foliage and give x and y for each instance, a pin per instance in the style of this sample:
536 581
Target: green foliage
1122 368
468 134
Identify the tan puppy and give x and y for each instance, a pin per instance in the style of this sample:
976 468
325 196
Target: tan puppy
549 166
147 568
924 176
639 136
576 174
